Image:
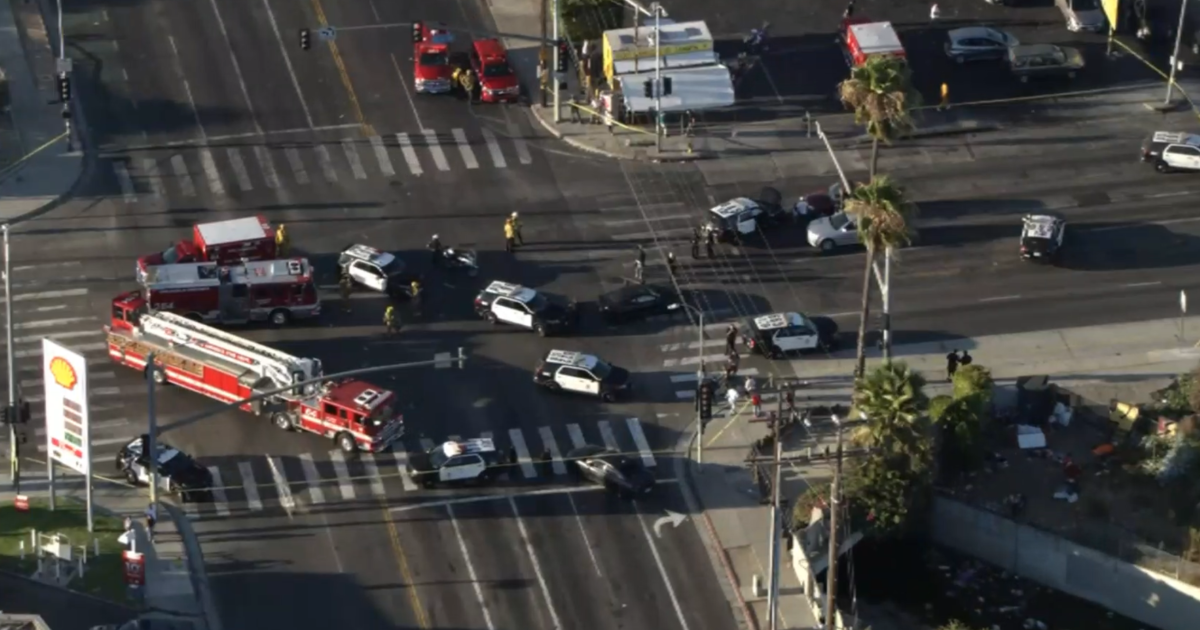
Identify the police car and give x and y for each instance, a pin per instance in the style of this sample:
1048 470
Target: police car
1042 237
562 370
743 216
527 308
464 461
177 472
780 334
1152 147
376 270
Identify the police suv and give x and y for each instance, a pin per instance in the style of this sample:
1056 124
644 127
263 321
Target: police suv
464 461
527 308
1153 146
563 370
742 216
1042 237
780 334
371 268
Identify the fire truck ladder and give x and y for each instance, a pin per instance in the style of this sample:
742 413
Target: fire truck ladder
284 369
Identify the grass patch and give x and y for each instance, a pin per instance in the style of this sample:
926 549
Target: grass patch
104 575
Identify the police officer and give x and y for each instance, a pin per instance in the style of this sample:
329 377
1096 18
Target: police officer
282 242
695 243
390 321
346 289
435 249
510 244
468 83
710 240
672 264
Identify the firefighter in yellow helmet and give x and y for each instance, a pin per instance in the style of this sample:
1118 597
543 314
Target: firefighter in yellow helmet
468 82
516 224
390 321
282 242
509 235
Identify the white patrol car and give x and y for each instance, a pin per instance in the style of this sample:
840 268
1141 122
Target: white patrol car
734 218
1181 152
1042 237
374 269
527 308
780 334
464 461
1153 145
563 370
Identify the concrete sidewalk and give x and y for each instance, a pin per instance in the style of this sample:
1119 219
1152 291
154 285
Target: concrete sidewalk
48 172
176 582
1125 361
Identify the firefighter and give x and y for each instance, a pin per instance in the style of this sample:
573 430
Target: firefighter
509 236
468 82
282 242
415 293
390 321
516 223
346 289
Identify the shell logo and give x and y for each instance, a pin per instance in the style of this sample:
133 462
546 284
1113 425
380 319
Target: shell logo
63 372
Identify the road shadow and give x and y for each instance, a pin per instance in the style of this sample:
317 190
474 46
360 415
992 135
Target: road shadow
1114 247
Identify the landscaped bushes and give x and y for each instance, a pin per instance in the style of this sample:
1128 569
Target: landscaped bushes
584 20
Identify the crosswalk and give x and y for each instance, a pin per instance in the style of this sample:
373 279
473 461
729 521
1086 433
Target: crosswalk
225 170
314 479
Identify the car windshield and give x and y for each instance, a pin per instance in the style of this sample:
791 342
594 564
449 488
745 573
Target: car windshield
497 69
602 370
379 416
437 457
538 302
394 268
839 221
434 59
170 255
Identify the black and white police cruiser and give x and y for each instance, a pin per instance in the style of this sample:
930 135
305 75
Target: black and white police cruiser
563 370
1042 237
743 216
1155 143
374 269
461 462
521 306
780 334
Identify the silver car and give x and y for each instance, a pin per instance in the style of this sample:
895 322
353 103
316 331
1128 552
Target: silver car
974 43
832 232
1082 15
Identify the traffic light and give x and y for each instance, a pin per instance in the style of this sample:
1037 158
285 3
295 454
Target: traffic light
64 87
648 88
564 52
666 86
305 39
704 399
418 29
23 413
6 417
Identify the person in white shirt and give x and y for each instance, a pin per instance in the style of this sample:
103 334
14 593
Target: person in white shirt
731 396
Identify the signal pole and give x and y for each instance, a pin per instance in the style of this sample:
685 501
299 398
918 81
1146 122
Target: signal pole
14 451
554 70
834 525
776 530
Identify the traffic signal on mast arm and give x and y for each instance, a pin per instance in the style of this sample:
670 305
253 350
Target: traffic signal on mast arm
666 86
648 88
64 87
564 53
704 400
418 29
6 415
305 39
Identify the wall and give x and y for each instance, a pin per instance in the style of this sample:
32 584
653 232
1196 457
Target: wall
1124 588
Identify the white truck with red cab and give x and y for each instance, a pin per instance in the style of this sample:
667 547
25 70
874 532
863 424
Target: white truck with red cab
356 415
223 242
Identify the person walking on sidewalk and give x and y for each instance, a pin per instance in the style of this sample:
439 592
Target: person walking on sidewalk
731 334
731 397
951 365
756 403
965 359
151 520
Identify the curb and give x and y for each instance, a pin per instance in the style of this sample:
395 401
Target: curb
586 148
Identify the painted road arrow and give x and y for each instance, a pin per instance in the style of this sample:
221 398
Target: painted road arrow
674 518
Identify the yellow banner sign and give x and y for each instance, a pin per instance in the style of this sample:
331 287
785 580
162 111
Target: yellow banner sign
1112 11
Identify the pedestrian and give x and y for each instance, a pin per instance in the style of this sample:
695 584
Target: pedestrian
576 102
414 294
789 402
672 265
695 244
710 242
751 385
945 103
151 520
756 402
965 359
731 334
951 365
435 250
731 397
346 289
734 362
849 12
510 244
389 320
935 12
547 463
639 272
512 455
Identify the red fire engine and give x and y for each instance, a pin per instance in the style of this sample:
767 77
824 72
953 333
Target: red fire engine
228 368
224 242
863 39
276 291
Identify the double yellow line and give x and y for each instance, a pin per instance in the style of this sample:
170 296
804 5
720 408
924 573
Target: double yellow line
367 129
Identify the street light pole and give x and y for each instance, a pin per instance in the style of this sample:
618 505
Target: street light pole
554 72
699 382
837 165
14 454
658 84
776 533
152 429
835 511
1175 54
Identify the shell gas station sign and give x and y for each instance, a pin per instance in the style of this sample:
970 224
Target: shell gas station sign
65 380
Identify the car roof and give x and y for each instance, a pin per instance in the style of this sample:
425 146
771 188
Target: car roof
509 290
476 446
570 357
972 31
733 206
775 321
488 49
1175 137
359 251
630 290
1036 49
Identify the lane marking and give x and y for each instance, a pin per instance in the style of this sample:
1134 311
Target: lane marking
518 442
288 62
381 156
410 155
281 484
181 174
187 88
297 164
124 181
606 433
401 457
111 150
1143 284
708 358
345 485
267 165
351 152
250 486
45 295
639 439
464 148
439 158
220 499
211 173
372 473
36 351
237 68
537 567
494 148
692 345
315 495
345 76
407 93
50 323
326 164
462 547
150 165
480 498
662 570
583 532
576 434
519 142
239 169
1002 298
547 435
443 360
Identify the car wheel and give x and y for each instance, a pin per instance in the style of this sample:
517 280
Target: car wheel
608 397
1162 167
491 317
131 477
540 330
828 245
282 421
960 59
160 376
776 353
346 442
280 317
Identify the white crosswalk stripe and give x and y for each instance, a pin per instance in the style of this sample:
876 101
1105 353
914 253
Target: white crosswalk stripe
313 478
268 166
381 155
46 295
401 457
125 181
351 152
281 483
250 486
219 496
548 442
186 187
410 154
606 434
576 433
372 472
494 148
211 173
239 169
518 442
639 438
464 148
522 149
326 163
150 166
297 164
439 158
345 484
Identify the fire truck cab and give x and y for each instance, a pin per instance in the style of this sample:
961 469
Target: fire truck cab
222 242
863 39
431 58
275 291
358 415
497 81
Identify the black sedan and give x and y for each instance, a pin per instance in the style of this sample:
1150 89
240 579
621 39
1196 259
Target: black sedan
637 301
619 474
177 471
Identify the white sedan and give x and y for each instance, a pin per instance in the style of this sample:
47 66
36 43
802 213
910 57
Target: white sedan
832 232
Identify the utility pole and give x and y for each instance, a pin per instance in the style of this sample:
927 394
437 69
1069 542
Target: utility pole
152 429
658 82
835 511
1175 54
776 533
699 382
14 450
543 56
884 280
554 73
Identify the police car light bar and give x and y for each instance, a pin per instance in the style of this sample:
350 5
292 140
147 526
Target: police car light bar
503 288
563 357
769 322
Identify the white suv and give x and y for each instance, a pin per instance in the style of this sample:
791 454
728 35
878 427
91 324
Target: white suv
1178 157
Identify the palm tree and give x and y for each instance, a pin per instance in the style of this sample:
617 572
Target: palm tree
881 95
884 219
892 402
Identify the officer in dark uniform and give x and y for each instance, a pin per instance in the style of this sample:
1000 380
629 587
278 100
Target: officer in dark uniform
346 288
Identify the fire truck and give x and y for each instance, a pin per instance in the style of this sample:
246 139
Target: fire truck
863 39
223 242
228 368
275 291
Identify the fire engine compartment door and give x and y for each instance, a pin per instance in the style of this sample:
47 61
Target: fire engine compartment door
234 302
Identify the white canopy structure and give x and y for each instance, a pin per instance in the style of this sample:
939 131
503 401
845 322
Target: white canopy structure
695 88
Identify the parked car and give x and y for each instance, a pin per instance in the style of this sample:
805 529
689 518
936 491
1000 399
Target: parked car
1044 60
1082 15
978 43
